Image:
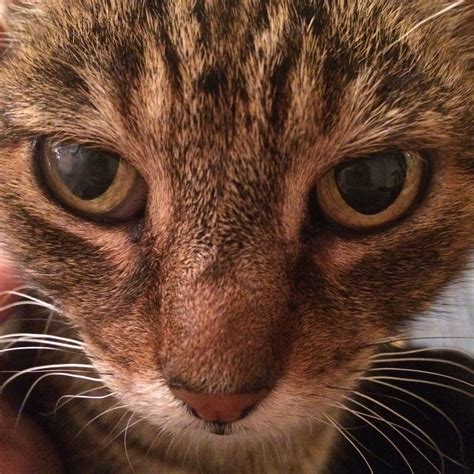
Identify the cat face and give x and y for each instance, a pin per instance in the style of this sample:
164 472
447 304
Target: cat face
302 187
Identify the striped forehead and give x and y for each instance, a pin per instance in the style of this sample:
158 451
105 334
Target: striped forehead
199 72
203 45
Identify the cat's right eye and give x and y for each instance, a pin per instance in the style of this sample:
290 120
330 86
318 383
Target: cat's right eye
95 183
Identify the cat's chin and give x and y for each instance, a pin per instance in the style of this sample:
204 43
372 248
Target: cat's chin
289 412
209 445
276 420
290 419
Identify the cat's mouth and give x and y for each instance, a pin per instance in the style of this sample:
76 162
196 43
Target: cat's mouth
220 429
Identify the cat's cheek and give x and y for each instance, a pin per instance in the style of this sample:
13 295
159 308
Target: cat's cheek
335 255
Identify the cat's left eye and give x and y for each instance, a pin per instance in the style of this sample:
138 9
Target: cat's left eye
92 182
372 191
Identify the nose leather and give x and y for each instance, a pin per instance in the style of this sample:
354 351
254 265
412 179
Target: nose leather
226 408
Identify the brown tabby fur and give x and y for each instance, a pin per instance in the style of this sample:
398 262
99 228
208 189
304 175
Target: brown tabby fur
232 112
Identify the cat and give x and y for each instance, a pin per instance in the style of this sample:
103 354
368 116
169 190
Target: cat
231 210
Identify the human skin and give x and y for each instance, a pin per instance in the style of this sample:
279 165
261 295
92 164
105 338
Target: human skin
26 449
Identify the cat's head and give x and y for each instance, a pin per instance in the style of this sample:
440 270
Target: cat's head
237 202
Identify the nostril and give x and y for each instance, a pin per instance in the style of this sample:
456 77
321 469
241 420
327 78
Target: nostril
225 408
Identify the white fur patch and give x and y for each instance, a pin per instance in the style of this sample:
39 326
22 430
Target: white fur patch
450 321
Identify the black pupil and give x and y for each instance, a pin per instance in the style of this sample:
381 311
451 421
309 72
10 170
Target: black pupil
88 173
370 185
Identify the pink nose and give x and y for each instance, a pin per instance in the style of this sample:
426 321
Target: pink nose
225 408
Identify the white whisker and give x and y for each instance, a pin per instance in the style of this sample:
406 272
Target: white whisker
420 338
36 382
45 331
395 427
69 398
29 297
42 336
34 348
417 371
65 399
431 405
42 344
153 442
110 437
430 440
425 382
52 368
376 428
418 351
5 294
117 406
17 304
431 359
127 455
348 438
124 430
